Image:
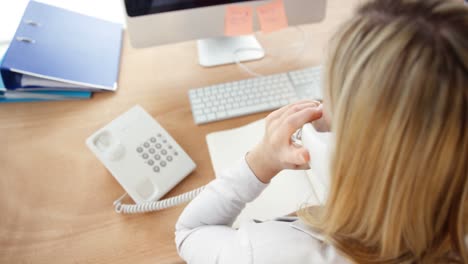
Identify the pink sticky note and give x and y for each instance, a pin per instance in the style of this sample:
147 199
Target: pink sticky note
272 16
238 20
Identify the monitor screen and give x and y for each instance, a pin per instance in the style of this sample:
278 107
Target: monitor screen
148 7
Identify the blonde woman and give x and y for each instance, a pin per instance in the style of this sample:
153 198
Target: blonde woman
396 96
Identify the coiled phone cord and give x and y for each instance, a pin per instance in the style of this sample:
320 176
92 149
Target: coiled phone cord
154 205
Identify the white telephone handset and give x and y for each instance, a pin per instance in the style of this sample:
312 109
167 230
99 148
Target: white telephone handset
318 145
144 159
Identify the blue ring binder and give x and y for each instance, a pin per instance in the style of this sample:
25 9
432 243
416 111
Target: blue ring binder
55 48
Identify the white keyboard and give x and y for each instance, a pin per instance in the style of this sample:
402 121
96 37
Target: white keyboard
259 94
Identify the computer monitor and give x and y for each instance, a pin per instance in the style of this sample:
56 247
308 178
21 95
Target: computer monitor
156 22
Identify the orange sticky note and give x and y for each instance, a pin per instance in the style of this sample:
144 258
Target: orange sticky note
238 20
272 16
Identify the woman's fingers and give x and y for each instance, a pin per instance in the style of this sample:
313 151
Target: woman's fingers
280 122
298 107
278 113
297 155
296 120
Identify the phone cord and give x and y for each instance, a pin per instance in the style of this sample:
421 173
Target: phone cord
154 205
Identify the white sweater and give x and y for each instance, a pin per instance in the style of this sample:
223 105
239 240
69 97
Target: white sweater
204 234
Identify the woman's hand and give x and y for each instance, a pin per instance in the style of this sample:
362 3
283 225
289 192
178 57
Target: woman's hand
276 151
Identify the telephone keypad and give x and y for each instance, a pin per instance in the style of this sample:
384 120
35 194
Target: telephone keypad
153 149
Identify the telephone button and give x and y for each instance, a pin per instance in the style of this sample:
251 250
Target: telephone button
145 189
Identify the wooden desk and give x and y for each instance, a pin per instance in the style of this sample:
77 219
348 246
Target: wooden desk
56 197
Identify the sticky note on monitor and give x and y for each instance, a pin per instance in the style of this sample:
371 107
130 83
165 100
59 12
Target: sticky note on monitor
238 20
272 16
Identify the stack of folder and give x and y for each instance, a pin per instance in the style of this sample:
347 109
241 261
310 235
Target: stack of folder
57 54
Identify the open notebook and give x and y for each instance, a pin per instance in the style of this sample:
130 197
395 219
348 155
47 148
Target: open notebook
287 192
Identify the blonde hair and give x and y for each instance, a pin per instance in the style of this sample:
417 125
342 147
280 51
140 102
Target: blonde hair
397 88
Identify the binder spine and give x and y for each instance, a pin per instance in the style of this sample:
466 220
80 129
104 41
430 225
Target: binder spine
11 80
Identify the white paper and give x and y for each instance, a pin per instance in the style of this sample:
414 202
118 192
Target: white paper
32 81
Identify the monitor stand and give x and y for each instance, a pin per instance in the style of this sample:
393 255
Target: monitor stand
225 50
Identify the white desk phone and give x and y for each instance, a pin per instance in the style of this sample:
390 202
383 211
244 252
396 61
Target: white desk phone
148 162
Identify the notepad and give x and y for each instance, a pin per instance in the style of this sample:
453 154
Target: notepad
272 16
238 20
286 193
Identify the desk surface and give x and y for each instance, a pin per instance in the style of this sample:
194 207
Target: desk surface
56 197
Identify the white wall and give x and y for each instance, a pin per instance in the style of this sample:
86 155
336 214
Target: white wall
12 10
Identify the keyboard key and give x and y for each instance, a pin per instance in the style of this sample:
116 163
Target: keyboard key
196 101
221 114
211 116
201 119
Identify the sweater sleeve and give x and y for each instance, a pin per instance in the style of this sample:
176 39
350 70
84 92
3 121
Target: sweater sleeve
203 231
